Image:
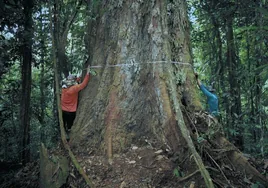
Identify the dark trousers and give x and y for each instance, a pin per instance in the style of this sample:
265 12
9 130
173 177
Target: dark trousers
68 120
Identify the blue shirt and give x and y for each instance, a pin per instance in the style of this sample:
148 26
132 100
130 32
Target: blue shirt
212 100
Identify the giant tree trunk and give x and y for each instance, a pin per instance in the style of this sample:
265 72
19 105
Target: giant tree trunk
130 102
132 105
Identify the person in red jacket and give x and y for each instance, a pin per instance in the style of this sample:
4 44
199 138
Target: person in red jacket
69 98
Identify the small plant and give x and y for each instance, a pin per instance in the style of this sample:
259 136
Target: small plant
177 172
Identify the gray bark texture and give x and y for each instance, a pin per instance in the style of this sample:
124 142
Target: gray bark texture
124 105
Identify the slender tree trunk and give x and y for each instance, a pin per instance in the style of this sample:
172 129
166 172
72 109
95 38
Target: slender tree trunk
220 69
42 92
235 104
26 78
251 89
5 143
54 29
259 51
42 79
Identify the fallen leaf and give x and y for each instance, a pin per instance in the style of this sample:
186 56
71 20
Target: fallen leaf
192 184
159 157
123 184
134 148
159 151
72 175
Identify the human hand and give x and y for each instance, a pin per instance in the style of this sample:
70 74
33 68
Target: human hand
88 69
196 75
78 79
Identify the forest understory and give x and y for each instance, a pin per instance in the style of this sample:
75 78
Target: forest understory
150 164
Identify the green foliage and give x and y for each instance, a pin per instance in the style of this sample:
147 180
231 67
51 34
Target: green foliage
177 172
200 139
257 185
44 125
93 72
210 50
9 114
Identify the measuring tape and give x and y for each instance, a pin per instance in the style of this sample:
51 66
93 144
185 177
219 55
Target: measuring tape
132 64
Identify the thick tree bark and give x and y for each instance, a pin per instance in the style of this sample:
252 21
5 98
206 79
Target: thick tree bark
26 79
126 105
130 102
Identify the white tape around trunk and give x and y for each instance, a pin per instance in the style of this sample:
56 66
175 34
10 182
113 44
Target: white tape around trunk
132 64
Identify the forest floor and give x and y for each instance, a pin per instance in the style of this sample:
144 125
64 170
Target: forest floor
154 167
137 167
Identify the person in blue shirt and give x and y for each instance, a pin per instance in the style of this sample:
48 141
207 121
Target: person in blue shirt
212 98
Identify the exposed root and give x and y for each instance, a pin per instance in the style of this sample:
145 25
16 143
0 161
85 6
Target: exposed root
218 168
221 152
194 173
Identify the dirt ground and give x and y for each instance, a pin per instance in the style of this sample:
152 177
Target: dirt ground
137 167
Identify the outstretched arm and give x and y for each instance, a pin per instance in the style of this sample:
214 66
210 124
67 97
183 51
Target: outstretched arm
81 86
205 91
198 81
88 69
202 87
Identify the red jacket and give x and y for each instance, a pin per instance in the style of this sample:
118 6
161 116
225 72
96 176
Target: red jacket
69 96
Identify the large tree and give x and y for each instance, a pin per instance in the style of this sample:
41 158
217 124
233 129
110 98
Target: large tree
145 91
134 97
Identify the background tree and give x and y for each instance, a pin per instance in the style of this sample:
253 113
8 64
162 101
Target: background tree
26 78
